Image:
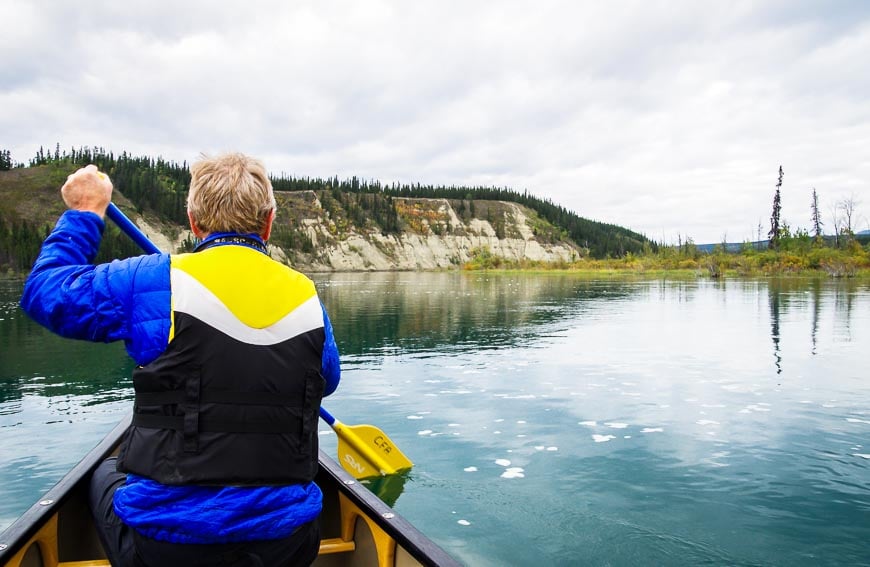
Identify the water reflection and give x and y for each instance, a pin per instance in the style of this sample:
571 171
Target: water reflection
380 314
775 299
646 422
387 488
807 299
816 290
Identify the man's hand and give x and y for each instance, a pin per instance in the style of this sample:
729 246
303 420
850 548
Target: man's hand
87 190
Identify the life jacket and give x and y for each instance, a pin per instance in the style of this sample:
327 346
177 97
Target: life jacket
234 398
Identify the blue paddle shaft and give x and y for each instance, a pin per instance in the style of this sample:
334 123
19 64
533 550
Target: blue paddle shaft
327 417
130 229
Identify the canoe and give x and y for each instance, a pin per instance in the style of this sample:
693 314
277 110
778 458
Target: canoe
358 528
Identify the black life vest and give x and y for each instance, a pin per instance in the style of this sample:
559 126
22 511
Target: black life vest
234 399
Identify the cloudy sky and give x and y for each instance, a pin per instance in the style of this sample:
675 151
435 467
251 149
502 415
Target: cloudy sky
670 117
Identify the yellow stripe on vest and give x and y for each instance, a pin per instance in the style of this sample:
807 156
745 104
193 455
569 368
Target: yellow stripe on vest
253 287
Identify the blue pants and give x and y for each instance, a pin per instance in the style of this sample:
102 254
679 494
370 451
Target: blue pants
127 548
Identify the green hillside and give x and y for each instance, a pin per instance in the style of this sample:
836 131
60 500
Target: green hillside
30 204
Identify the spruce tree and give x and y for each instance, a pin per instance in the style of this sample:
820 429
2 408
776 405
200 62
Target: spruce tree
773 235
5 160
817 219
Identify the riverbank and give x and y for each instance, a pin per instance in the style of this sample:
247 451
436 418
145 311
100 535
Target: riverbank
821 262
816 262
620 272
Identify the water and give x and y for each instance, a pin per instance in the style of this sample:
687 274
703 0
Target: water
552 419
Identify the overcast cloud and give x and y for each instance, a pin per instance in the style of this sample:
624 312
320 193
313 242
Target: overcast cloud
670 118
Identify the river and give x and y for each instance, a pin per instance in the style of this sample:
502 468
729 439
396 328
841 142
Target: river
552 419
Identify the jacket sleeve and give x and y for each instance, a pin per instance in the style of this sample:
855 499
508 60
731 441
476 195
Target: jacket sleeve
331 367
122 300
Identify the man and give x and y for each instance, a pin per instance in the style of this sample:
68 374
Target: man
234 353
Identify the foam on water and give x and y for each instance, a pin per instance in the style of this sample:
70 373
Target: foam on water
517 397
755 407
616 425
503 462
602 438
463 522
513 472
856 420
651 430
470 469
588 423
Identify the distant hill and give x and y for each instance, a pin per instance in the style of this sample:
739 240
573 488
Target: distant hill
731 246
863 237
322 224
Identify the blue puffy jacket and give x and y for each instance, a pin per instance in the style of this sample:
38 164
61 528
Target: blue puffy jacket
129 300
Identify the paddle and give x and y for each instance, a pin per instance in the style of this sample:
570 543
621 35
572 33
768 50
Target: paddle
130 229
363 450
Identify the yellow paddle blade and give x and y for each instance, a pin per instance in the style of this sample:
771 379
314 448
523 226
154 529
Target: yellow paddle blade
366 451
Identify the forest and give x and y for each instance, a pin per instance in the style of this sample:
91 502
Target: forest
160 187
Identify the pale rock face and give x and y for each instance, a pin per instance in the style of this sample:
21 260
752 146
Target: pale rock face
162 241
373 251
410 251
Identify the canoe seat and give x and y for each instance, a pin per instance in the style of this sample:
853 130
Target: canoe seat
336 545
88 563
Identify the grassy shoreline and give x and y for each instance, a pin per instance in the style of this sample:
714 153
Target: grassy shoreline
674 274
619 273
852 261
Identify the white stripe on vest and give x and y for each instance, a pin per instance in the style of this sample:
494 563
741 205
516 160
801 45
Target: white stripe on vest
191 297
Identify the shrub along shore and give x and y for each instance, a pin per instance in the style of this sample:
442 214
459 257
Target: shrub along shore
852 260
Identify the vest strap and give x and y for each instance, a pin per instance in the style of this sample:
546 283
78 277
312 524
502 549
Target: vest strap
208 425
170 397
190 407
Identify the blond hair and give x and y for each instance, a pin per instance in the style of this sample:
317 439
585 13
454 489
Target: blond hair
230 193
